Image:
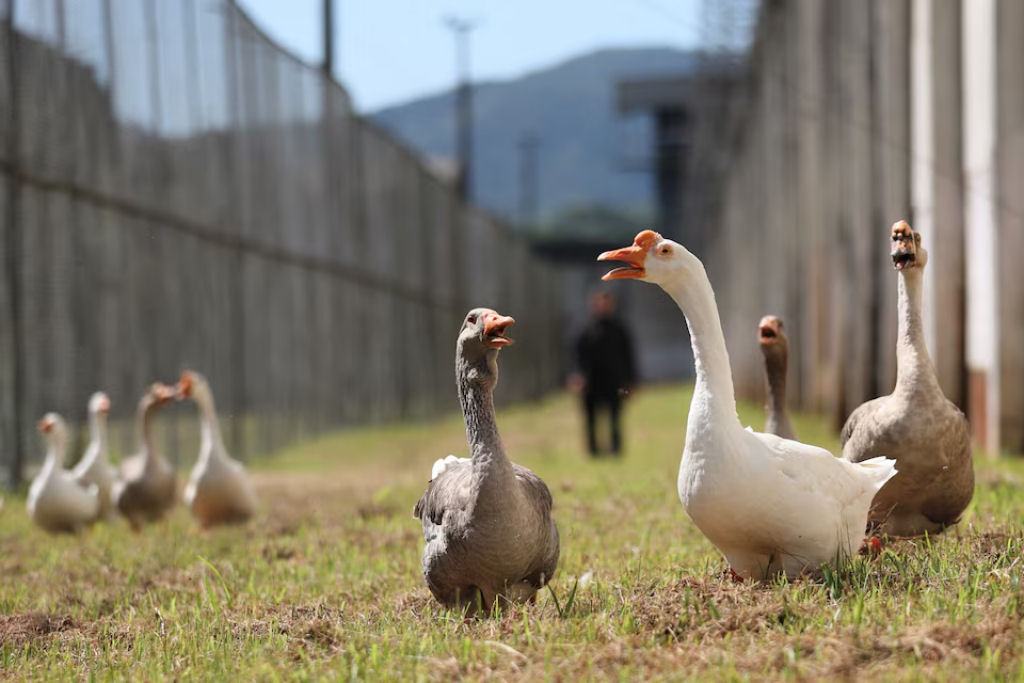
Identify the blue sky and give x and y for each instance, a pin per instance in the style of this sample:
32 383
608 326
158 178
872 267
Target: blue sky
391 51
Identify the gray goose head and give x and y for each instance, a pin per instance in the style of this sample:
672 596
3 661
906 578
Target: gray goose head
773 340
481 337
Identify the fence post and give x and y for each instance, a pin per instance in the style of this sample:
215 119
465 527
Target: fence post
12 238
238 319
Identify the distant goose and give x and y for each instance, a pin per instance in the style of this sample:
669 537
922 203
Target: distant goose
94 467
487 522
146 487
218 490
56 502
915 424
775 348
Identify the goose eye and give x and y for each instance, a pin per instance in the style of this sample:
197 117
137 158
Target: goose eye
666 250
471 320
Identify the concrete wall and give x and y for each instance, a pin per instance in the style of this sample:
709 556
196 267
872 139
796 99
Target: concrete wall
1009 280
855 115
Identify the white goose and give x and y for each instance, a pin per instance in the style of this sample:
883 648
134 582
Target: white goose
56 502
94 467
218 491
770 505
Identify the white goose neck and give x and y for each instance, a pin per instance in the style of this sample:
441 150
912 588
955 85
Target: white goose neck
714 401
211 443
98 430
55 448
914 369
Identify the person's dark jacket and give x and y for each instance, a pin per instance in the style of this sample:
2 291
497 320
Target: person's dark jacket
604 354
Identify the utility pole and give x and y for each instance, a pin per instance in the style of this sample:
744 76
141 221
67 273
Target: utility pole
463 107
528 185
328 27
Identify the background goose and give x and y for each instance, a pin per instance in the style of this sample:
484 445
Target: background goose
769 504
487 522
771 335
916 423
146 486
94 467
218 490
56 502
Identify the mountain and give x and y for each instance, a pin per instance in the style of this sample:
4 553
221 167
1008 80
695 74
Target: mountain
571 108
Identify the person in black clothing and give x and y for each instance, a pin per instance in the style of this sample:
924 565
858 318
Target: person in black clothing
607 368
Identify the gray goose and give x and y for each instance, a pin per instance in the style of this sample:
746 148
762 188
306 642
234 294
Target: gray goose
147 485
487 522
916 424
775 346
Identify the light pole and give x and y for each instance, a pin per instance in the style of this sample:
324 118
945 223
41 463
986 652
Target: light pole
463 107
528 184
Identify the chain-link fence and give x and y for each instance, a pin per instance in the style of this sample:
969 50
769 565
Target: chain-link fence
179 191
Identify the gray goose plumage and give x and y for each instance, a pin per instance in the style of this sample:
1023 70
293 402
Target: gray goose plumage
147 485
775 347
916 424
487 522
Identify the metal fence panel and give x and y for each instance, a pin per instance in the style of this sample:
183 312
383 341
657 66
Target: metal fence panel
178 191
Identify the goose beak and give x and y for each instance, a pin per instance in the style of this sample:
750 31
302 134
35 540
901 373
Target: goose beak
183 389
104 405
45 425
904 245
163 393
635 256
494 330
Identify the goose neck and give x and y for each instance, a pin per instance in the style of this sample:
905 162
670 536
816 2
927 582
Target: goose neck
144 421
98 430
210 439
714 401
477 400
775 383
914 370
55 450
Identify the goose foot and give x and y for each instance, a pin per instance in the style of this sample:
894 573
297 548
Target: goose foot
735 577
872 547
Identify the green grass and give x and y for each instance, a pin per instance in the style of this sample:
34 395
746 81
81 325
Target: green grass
326 582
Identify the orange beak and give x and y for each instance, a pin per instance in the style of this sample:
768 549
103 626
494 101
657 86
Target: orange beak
495 325
45 425
163 392
104 405
635 256
184 387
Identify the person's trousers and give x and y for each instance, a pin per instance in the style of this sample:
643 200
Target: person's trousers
594 403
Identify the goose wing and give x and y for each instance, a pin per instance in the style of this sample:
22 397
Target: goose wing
860 412
814 470
539 496
537 491
446 493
